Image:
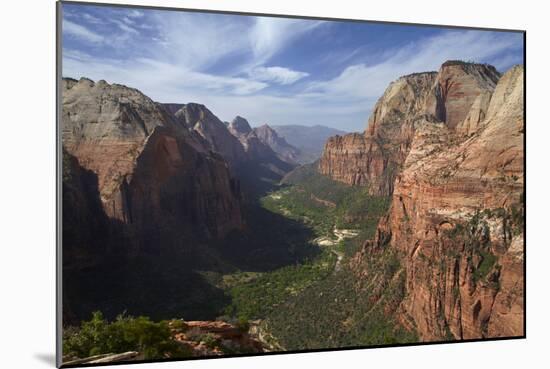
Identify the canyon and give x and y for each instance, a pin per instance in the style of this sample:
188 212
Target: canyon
149 185
161 167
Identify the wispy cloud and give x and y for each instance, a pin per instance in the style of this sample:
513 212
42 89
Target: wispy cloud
198 42
270 35
76 30
70 54
91 19
128 20
125 27
253 66
162 81
134 13
279 75
363 81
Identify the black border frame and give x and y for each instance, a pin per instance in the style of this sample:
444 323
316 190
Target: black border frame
59 244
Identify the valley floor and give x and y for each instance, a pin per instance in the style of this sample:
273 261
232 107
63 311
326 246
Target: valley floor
317 304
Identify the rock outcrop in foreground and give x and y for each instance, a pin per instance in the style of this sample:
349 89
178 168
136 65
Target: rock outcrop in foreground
196 339
215 338
448 148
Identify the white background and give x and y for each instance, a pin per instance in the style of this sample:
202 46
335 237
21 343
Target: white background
27 182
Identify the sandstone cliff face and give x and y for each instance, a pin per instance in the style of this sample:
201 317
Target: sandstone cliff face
278 144
457 87
457 214
152 172
374 158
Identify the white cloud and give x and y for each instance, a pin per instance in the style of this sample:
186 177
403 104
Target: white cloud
76 55
224 62
155 77
280 75
198 41
125 27
341 56
91 19
362 81
187 79
81 32
270 35
134 13
128 20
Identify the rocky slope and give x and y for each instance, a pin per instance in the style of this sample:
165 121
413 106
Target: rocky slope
282 148
152 172
456 218
309 140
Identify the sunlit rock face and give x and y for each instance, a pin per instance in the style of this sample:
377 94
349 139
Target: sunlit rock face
374 158
457 210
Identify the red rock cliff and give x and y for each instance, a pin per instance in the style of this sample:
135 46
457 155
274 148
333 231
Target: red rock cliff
374 158
456 216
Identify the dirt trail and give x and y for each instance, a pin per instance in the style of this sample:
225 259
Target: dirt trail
340 234
339 258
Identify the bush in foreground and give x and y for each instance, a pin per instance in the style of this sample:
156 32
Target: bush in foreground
97 336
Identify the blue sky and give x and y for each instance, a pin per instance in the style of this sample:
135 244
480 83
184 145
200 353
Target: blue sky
269 70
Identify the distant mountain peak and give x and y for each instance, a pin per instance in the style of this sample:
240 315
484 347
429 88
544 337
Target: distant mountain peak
239 126
266 126
278 144
267 134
